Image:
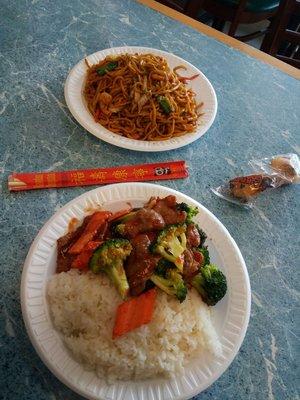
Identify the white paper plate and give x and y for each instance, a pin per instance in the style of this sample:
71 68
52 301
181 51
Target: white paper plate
202 87
230 316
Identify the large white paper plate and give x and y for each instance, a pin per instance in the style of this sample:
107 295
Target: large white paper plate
230 316
201 86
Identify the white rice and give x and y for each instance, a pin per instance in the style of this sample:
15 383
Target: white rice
83 308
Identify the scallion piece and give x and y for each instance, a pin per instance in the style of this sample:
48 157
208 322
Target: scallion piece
106 68
164 104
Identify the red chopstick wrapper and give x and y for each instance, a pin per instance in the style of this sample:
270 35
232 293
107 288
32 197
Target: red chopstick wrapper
98 176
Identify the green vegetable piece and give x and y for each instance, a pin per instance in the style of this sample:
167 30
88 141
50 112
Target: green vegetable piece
119 226
163 266
205 253
120 229
170 244
172 284
211 284
106 68
126 217
109 258
202 235
190 211
164 104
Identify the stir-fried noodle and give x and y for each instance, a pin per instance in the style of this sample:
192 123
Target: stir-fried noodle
139 97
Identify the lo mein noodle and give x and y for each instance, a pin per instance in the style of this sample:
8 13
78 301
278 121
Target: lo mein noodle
139 97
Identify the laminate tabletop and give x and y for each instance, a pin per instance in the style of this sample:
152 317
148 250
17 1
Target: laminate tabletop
258 116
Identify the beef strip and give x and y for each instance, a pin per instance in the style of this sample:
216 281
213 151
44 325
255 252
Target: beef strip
167 209
140 264
145 220
190 266
199 258
192 236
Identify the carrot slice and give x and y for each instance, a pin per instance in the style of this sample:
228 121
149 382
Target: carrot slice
81 261
97 219
134 313
93 244
184 79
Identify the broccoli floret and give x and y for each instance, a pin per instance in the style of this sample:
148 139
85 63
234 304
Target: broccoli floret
126 217
119 224
171 243
109 258
201 248
190 211
163 266
172 284
119 229
211 284
205 253
202 235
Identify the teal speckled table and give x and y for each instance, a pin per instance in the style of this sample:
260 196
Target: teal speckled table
258 116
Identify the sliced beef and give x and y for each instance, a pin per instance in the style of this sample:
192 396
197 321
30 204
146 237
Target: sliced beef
145 220
192 236
167 209
63 263
140 264
199 258
190 266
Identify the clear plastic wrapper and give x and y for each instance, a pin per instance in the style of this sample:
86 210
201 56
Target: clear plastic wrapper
270 173
285 166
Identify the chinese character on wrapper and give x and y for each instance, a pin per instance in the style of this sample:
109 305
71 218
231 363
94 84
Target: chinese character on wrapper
77 177
99 176
139 173
120 174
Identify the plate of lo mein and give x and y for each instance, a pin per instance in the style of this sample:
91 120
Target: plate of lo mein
141 98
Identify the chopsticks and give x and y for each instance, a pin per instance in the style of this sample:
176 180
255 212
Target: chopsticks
98 176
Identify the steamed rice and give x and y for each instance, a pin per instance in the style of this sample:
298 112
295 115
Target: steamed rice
83 309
